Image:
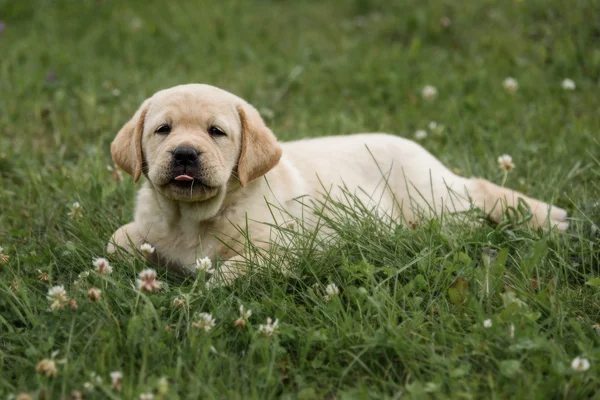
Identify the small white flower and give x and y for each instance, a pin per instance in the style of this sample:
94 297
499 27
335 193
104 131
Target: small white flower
436 128
102 266
420 134
205 322
178 301
147 248
580 364
331 291
148 281
269 328
245 314
136 23
204 264
58 296
568 84
146 396
89 386
116 377
3 257
163 385
487 323
97 379
94 294
429 92
510 84
505 163
47 367
75 210
116 92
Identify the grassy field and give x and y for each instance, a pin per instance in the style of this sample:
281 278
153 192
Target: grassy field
408 321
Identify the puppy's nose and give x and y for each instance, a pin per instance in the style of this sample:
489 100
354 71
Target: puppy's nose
185 155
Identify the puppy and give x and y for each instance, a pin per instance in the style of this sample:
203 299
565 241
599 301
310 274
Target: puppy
215 173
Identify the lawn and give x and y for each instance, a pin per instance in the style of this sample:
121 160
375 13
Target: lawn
411 316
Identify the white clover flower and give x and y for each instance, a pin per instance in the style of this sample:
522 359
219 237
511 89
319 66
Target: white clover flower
75 210
510 84
163 385
136 23
205 322
116 92
487 323
331 291
58 296
429 92
102 266
146 396
178 301
147 249
148 281
420 134
47 367
97 379
245 314
568 84
116 377
94 294
505 163
436 128
580 364
204 264
269 328
3 257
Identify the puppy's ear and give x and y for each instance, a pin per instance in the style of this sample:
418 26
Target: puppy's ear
260 150
126 148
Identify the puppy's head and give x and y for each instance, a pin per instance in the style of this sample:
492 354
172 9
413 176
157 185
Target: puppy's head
190 141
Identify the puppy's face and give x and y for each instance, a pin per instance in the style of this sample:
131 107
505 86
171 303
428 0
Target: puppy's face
191 141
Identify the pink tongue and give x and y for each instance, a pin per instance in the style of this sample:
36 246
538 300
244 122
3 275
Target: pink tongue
184 178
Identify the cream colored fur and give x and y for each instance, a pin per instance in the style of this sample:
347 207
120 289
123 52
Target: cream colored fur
248 169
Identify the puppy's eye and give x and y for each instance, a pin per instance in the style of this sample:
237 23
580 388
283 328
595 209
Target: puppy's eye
164 129
214 131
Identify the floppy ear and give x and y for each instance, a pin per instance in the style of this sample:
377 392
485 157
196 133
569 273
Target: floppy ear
260 150
126 148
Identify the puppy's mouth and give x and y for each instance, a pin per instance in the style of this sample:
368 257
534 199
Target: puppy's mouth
189 182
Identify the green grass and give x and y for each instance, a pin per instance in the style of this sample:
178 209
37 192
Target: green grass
405 324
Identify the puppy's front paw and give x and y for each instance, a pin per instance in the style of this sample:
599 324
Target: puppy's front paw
545 214
228 272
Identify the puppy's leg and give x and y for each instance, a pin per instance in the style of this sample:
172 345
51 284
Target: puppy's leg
495 200
129 239
228 272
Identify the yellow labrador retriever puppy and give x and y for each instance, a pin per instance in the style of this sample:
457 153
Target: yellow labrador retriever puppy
214 170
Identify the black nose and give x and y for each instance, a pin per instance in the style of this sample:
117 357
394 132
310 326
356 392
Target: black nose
185 155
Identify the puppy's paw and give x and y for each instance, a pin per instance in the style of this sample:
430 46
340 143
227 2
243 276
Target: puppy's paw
228 272
548 216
